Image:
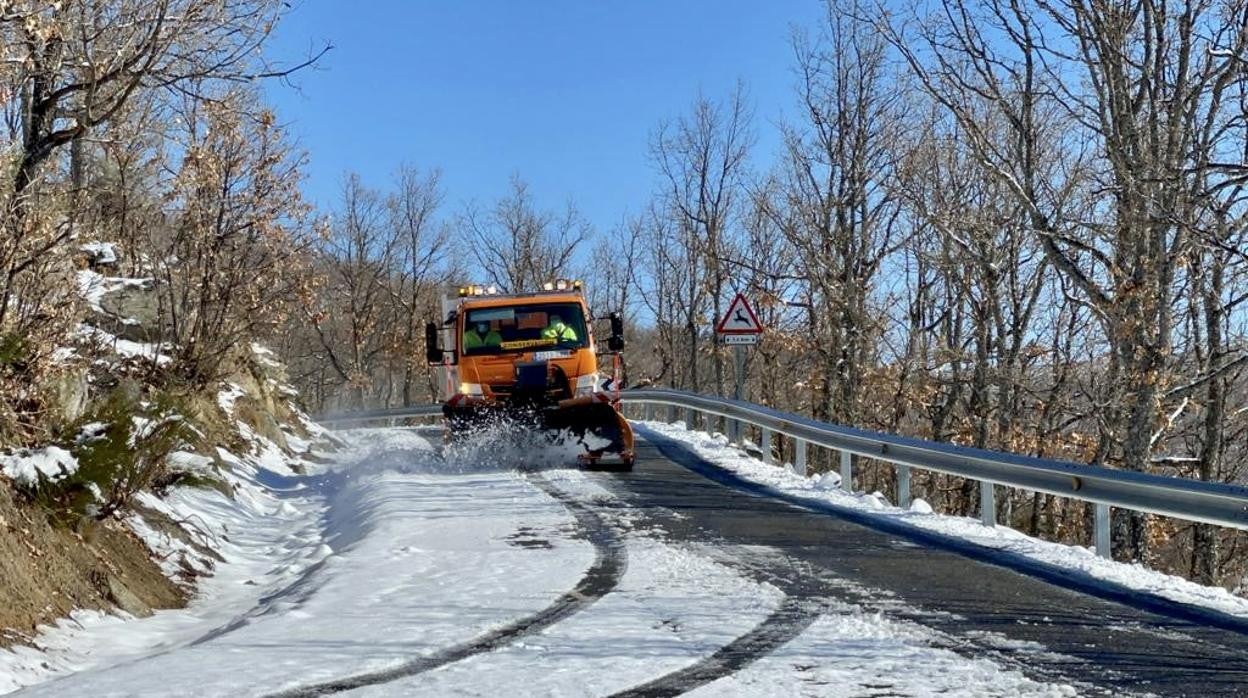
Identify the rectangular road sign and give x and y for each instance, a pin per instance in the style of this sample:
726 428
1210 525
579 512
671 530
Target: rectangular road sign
738 339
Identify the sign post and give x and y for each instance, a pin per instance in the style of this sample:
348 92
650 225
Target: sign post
738 328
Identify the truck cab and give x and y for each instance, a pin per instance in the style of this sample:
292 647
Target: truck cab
528 357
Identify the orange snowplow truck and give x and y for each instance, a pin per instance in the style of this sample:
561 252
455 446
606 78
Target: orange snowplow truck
530 361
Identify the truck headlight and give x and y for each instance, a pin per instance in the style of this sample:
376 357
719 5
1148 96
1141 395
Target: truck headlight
473 389
587 384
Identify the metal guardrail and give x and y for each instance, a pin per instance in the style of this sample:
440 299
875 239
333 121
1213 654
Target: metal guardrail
376 415
1193 500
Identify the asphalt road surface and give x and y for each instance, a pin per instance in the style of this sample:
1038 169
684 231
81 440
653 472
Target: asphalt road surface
1104 639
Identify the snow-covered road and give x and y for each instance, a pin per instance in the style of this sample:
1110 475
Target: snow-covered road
460 573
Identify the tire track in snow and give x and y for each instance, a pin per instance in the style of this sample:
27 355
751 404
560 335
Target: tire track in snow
603 576
790 619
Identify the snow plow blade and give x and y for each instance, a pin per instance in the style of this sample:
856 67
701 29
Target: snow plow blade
598 426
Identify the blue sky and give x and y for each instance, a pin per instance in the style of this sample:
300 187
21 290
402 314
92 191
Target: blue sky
564 92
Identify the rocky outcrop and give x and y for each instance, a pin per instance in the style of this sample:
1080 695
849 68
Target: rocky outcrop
67 391
125 599
132 301
264 402
126 308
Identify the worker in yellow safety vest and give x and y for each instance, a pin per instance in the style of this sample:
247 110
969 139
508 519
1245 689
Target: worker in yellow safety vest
558 331
481 336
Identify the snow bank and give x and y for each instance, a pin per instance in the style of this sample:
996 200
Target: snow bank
29 467
266 538
824 488
100 252
124 348
242 547
374 559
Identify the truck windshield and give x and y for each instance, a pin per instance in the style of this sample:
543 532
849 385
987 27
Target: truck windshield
529 327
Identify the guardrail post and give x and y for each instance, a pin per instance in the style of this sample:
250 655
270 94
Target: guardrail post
987 503
1103 547
691 418
767 457
649 412
799 457
903 486
671 414
847 471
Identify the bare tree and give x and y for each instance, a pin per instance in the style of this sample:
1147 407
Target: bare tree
676 293
840 212
424 251
1138 82
518 246
353 316
79 63
614 268
230 265
768 275
702 159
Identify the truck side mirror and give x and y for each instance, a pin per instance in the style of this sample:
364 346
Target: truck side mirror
433 352
616 341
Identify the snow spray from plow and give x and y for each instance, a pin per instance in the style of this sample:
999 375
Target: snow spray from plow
534 442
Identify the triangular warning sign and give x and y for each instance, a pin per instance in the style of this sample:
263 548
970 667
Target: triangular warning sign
740 318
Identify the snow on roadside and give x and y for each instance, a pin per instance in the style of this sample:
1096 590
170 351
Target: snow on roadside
409 559
268 532
266 536
825 489
390 552
28 466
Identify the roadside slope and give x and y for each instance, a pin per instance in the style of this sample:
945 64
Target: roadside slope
413 562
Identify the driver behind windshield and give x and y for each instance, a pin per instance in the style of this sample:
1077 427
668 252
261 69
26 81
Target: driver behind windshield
481 335
558 331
